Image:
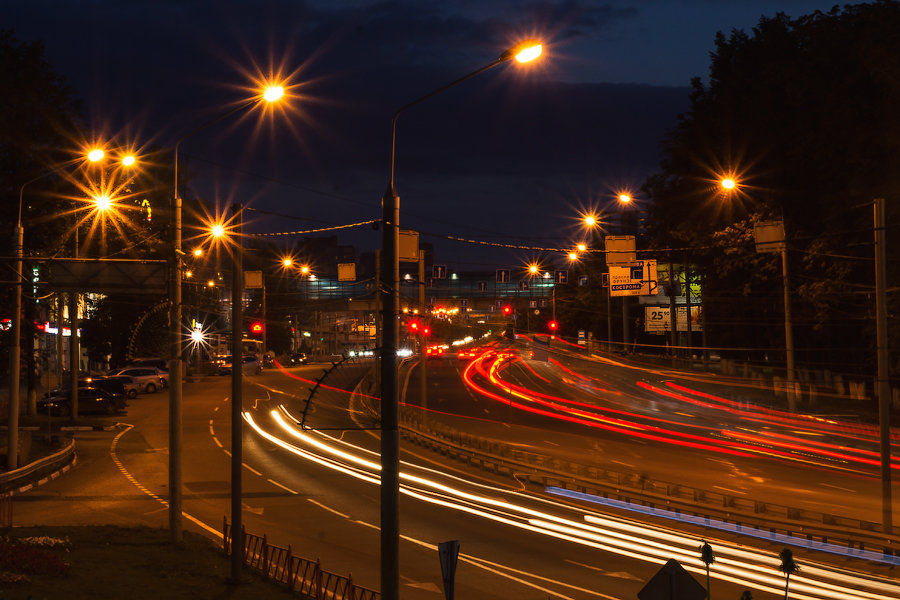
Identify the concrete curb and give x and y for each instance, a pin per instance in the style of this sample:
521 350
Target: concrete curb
43 480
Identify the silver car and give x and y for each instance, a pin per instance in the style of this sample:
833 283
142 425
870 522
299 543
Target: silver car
149 379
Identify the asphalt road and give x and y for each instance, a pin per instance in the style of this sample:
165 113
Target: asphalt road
121 478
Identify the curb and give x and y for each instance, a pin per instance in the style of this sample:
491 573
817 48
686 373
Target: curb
43 480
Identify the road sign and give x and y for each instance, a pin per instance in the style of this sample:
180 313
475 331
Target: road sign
253 280
637 279
619 250
439 271
561 277
502 275
523 285
583 281
581 341
408 250
482 286
463 302
346 271
672 582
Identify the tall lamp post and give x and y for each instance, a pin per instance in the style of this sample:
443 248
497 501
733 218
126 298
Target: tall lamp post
390 307
15 355
271 94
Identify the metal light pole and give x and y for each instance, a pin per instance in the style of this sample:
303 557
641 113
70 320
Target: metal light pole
176 365
884 384
390 315
237 372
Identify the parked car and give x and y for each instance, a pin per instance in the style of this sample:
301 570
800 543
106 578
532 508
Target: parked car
90 400
149 379
157 363
298 358
114 384
250 365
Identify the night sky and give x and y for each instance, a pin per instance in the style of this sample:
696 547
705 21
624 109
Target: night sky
510 156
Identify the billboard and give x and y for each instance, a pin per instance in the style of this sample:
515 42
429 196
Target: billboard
657 318
636 279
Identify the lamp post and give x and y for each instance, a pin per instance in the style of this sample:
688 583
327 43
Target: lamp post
270 94
15 355
390 307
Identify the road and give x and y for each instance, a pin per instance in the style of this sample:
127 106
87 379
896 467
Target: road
511 544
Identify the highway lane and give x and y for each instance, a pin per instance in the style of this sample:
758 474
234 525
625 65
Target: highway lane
808 480
323 512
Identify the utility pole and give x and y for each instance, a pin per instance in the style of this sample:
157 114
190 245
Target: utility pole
423 389
884 384
237 371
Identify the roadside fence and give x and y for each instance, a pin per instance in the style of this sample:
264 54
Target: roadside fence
301 575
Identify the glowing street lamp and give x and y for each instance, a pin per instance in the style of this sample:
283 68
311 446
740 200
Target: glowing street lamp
390 303
267 96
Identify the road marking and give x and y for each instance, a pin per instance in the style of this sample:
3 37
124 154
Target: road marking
838 488
328 508
285 488
114 455
617 574
251 469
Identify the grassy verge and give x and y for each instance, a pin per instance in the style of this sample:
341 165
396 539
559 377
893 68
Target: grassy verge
119 562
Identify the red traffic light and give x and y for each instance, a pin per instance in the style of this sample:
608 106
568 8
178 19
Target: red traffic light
507 310
553 325
256 327
414 326
426 331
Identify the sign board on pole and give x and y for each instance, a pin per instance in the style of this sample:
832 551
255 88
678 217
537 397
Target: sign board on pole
409 246
502 275
672 582
346 271
656 318
638 279
561 277
619 250
581 341
769 236
448 553
439 271
253 280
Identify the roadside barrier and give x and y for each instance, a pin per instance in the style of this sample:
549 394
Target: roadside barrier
301 575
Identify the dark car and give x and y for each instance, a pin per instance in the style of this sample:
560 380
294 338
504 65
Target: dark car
250 364
119 385
298 358
91 400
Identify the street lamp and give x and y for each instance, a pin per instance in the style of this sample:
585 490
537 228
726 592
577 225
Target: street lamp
390 306
15 351
268 95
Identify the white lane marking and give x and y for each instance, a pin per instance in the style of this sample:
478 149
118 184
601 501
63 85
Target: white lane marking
251 469
328 508
113 454
284 487
839 488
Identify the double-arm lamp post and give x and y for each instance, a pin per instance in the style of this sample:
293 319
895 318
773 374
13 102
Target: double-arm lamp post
390 306
271 94
15 355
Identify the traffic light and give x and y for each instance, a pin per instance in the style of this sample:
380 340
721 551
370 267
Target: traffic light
553 326
507 310
426 331
414 327
256 329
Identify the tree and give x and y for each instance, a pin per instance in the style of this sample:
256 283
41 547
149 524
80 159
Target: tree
801 112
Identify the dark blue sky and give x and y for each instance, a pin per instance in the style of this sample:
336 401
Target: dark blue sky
510 156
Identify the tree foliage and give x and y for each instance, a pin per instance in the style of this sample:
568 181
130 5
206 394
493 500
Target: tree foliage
802 113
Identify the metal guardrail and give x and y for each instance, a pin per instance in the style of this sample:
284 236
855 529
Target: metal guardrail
300 575
633 488
8 480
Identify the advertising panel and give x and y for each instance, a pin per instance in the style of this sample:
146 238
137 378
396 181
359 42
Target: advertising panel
656 318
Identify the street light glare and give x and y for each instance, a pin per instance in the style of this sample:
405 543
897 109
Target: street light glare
218 230
198 251
582 247
573 256
273 93
304 269
287 262
624 198
590 220
102 202
529 52
129 160
728 183
95 155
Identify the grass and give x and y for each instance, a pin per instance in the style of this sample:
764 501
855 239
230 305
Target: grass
120 562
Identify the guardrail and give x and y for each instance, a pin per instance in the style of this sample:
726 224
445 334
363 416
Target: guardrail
300 575
637 489
8 480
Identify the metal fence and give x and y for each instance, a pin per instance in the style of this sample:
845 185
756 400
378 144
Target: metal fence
301 575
